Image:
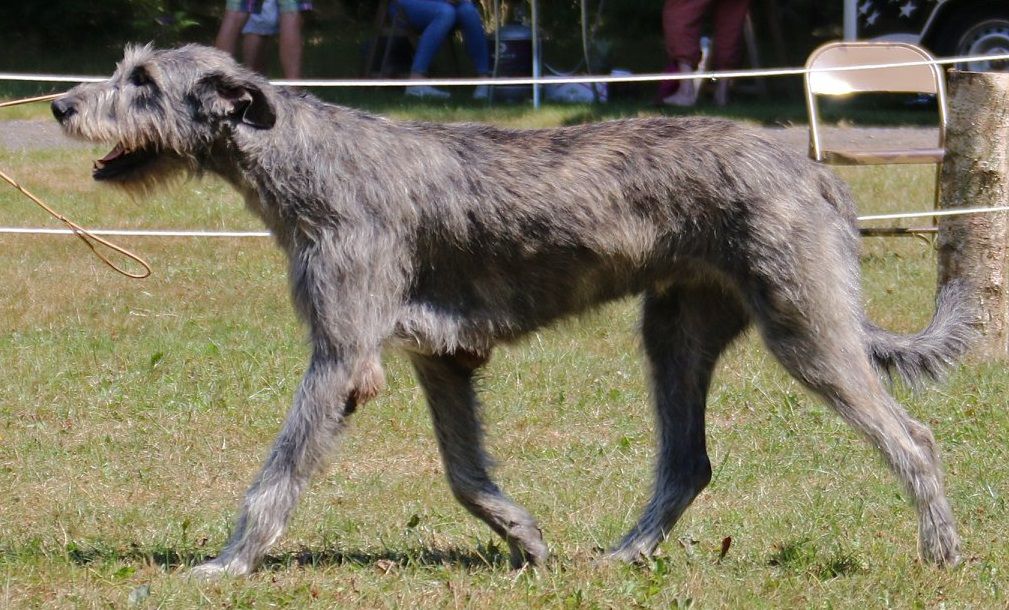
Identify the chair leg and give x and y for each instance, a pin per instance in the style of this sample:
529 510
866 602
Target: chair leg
388 26
452 42
383 68
750 36
380 16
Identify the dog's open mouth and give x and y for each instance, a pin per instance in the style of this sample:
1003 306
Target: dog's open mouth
120 162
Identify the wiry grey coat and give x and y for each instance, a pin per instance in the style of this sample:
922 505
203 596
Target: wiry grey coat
445 240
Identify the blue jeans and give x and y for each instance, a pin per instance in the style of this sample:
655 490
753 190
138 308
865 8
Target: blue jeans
435 20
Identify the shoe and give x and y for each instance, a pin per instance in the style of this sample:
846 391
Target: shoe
481 92
427 91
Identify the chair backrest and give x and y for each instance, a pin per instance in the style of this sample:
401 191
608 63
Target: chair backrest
827 75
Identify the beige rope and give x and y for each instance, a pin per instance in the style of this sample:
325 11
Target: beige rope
28 100
91 240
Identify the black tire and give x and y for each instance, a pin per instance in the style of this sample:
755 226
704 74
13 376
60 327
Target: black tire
983 30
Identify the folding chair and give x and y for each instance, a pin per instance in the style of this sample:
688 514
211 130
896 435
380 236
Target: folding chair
388 28
925 78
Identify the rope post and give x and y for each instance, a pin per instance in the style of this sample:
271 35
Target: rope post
975 172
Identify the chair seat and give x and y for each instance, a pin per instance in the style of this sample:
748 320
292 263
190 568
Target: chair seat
390 24
909 156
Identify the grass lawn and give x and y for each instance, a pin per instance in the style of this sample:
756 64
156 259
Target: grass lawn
134 413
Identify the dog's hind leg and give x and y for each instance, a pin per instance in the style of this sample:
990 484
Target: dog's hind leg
814 330
448 384
685 330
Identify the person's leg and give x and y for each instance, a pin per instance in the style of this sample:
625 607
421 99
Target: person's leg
434 20
681 29
235 15
290 44
469 22
467 17
258 29
729 18
252 55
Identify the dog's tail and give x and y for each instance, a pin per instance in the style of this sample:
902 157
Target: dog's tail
931 352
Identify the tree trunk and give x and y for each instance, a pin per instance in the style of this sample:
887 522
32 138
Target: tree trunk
975 173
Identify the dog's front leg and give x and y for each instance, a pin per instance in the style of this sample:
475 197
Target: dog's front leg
309 433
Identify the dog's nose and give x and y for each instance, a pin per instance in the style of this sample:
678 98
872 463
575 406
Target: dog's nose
63 108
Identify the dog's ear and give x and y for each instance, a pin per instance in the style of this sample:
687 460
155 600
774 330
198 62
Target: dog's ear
224 96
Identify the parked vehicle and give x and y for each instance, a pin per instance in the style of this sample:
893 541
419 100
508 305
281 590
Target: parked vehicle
947 28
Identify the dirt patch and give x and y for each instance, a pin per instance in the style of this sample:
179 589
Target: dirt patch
797 138
24 135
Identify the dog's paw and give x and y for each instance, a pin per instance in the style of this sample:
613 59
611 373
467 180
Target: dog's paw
530 552
216 569
942 550
625 554
637 550
938 542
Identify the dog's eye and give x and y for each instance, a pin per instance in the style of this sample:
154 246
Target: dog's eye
140 78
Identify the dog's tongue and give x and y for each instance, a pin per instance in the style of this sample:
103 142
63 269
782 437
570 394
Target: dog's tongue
114 154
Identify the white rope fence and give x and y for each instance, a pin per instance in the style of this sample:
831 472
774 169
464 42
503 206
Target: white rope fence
247 234
935 213
550 80
507 81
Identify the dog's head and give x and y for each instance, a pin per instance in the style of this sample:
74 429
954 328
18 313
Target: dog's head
165 110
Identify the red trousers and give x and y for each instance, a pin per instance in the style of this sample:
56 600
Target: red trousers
681 28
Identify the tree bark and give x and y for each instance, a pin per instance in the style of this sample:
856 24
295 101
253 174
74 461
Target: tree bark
975 173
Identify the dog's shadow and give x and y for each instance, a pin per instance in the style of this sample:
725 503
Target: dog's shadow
467 558
483 556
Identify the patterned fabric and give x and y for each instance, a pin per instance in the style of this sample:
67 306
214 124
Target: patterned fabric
256 6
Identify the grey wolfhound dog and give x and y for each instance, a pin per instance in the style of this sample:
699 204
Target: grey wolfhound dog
446 240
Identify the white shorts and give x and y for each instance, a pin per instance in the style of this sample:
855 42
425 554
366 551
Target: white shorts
263 23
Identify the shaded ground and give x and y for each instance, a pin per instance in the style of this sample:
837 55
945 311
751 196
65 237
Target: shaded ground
36 134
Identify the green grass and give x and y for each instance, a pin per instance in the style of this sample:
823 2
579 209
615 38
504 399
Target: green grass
134 414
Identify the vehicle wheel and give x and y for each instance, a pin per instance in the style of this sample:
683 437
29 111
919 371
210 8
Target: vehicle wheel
983 32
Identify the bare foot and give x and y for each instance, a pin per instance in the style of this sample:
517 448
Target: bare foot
686 95
686 92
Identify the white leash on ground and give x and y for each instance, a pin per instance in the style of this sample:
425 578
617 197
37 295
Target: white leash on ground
134 232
